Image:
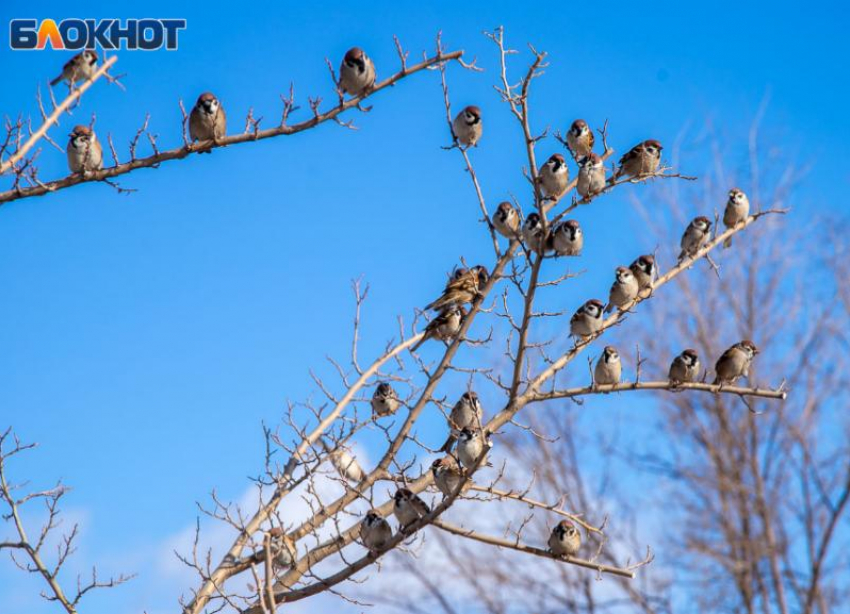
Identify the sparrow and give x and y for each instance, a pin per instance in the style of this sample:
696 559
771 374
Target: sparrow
447 475
685 367
696 236
84 151
641 160
608 367
408 507
375 531
591 175
356 73
554 176
580 139
467 127
464 286
737 210
444 327
735 362
79 68
644 271
467 412
472 442
506 220
587 320
532 232
207 121
567 239
385 400
624 290
282 548
344 462
565 540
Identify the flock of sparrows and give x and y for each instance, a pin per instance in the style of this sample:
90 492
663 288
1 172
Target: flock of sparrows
207 120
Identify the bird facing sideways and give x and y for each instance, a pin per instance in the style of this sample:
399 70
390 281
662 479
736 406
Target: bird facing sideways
408 507
644 271
344 462
735 362
587 320
464 286
79 68
447 475
444 327
641 160
281 548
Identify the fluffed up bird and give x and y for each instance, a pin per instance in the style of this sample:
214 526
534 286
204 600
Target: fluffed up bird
580 139
684 368
554 176
608 367
644 271
447 475
408 507
696 235
281 548
344 462
735 362
591 175
506 220
532 232
385 400
79 68
565 539
467 412
463 287
85 153
567 238
737 210
624 290
375 531
467 126
444 327
472 443
356 73
207 121
587 320
641 160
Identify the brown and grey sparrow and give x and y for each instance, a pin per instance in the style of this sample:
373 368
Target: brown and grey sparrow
735 362
608 367
444 327
207 121
554 176
580 139
532 232
463 287
641 160
567 238
281 548
644 271
587 320
467 127
375 531
696 235
344 462
408 507
79 68
624 290
84 151
684 368
447 475
385 400
356 73
467 412
565 539
506 220
591 175
472 443
737 210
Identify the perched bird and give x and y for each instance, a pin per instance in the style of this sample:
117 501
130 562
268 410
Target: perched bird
624 290
532 232
565 540
84 151
472 442
344 462
408 507
447 475
644 271
467 126
385 400
684 368
554 176
737 210
207 121
506 220
642 159
591 175
467 412
375 531
580 139
444 327
696 236
463 287
79 68
587 320
356 73
281 548
567 238
735 362
608 367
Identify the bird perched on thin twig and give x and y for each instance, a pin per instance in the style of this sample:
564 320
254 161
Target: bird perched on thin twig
737 210
444 327
735 362
385 400
641 160
580 139
696 235
344 462
447 475
565 539
463 287
684 368
567 238
473 444
281 548
467 412
624 290
506 220
408 507
85 153
375 531
608 367
79 68
207 121
644 271
554 176
591 175
533 234
587 320
356 73
467 126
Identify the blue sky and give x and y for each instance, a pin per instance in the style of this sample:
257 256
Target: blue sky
145 337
